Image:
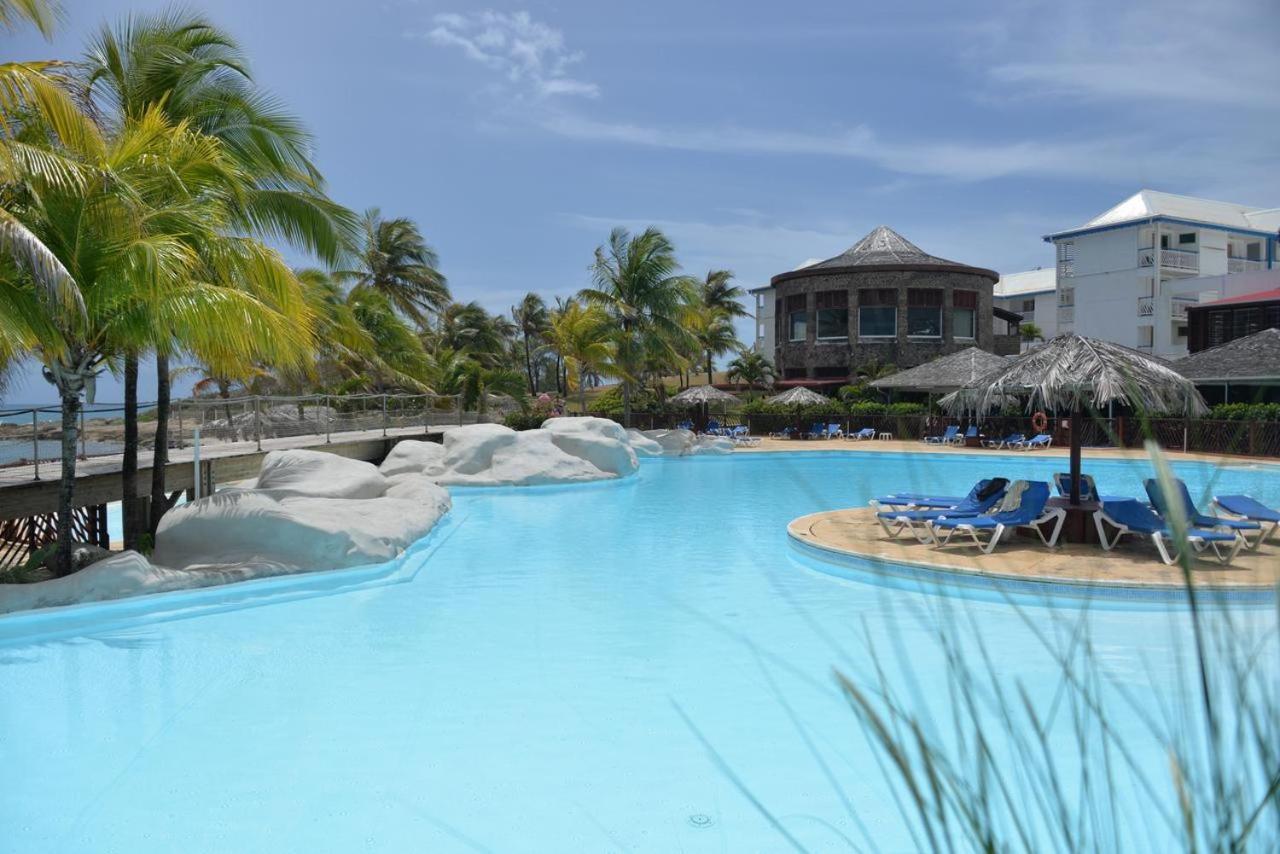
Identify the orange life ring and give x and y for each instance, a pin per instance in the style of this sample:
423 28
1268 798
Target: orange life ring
1040 421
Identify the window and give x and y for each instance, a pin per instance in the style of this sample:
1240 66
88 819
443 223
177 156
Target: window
1066 297
833 315
1216 328
1186 237
793 374
964 314
878 313
830 372
1253 251
924 313
778 319
1028 306
1245 321
1066 259
797 318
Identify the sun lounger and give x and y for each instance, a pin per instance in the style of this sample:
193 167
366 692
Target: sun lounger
1195 519
947 437
1007 442
985 495
864 433
1130 516
1040 440
818 431
834 431
1023 506
920 501
1244 507
971 433
1088 489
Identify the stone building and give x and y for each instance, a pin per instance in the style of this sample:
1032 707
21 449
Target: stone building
884 300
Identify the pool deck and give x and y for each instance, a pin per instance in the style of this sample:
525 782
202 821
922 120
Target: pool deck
855 533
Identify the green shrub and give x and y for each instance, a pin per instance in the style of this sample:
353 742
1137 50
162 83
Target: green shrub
524 420
867 407
905 409
1246 412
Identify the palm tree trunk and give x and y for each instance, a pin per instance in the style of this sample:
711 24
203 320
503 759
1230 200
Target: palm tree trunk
130 511
582 385
66 486
528 366
710 376
160 459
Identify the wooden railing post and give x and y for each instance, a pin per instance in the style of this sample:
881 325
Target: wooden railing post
35 440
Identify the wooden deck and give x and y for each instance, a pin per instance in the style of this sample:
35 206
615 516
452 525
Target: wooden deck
98 478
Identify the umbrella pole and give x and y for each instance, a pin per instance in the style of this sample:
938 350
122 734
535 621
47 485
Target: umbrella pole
1075 455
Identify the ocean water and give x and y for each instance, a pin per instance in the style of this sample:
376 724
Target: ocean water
636 666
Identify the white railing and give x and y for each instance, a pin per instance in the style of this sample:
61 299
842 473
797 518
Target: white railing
1183 260
1066 314
1146 306
1244 265
1178 307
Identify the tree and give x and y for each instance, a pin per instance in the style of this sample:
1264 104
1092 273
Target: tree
140 238
395 260
531 320
41 14
752 368
636 282
713 331
180 64
469 329
580 335
715 292
1030 333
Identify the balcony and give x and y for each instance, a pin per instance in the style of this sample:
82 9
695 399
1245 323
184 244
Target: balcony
1177 260
1066 314
1178 306
1244 265
1146 306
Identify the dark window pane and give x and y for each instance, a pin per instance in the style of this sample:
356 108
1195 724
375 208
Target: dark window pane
877 321
924 297
968 299
878 296
833 323
924 322
962 323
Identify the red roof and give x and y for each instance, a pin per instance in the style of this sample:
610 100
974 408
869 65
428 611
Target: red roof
1257 296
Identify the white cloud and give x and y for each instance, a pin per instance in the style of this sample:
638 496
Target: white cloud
530 56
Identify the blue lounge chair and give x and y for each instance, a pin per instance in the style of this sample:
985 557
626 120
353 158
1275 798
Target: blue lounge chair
818 431
834 431
1040 440
1195 519
864 433
1007 442
947 436
1129 516
923 501
1088 489
1244 507
985 495
971 433
1023 506
685 425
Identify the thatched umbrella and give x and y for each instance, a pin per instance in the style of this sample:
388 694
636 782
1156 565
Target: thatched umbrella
798 396
702 395
1072 372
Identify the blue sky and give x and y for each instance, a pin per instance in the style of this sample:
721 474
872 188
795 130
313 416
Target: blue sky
757 134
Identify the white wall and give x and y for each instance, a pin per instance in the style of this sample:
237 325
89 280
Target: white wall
763 336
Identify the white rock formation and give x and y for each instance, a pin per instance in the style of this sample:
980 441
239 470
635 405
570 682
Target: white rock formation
319 475
412 455
642 444
600 441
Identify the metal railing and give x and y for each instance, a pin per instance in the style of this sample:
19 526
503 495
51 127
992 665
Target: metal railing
30 437
1244 265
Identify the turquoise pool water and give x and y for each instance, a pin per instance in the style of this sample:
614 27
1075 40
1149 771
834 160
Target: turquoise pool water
539 675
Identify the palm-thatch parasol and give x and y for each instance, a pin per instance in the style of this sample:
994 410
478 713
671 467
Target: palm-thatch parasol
701 395
798 396
1072 372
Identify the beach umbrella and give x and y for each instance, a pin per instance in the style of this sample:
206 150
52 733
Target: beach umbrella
798 396
701 395
1071 373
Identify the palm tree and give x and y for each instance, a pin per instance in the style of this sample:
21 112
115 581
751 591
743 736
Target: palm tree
400 360
42 14
394 260
1030 333
752 368
469 329
636 282
531 320
141 239
179 63
716 292
714 333
580 335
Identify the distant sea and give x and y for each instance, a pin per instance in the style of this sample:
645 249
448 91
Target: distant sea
52 412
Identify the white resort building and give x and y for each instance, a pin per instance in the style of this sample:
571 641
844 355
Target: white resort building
1129 274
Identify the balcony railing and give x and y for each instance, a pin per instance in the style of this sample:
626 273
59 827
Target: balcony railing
1178 306
1146 306
1066 314
1183 260
1244 265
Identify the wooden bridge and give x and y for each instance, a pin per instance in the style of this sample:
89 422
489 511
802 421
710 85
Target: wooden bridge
29 503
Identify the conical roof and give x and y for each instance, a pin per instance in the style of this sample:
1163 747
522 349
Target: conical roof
883 246
884 249
946 373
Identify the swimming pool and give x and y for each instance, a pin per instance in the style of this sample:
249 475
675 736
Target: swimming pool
539 676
